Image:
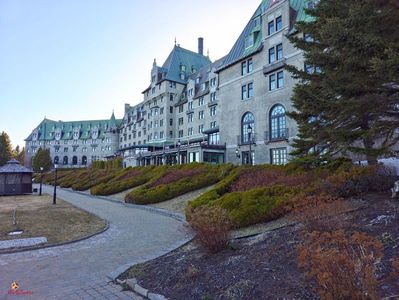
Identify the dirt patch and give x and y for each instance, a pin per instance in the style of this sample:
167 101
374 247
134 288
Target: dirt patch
179 204
37 217
265 266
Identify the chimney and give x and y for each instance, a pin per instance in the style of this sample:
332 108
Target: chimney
201 46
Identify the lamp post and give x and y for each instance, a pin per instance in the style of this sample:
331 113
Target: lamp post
238 153
250 143
41 180
178 151
55 185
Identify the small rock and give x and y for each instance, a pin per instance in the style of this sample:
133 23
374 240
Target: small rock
131 282
153 296
140 290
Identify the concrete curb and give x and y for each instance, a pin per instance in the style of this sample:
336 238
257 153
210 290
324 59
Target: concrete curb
134 286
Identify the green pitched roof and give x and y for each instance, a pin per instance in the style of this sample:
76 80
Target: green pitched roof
255 26
183 57
47 128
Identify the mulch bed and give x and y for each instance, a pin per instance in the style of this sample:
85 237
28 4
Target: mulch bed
265 266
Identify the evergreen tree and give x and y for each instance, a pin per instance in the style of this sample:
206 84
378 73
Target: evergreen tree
347 97
19 155
42 159
5 148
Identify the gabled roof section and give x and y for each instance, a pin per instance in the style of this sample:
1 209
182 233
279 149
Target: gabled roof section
254 27
179 57
47 128
299 7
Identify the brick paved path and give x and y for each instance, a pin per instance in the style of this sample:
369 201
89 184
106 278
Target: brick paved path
80 270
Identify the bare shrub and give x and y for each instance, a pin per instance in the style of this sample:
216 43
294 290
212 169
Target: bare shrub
213 227
343 265
321 213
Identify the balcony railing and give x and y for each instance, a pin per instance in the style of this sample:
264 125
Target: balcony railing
276 135
245 140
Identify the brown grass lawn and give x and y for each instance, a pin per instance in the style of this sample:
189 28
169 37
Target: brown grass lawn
37 217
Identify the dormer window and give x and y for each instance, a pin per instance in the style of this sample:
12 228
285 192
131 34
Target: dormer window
197 80
249 41
183 68
257 22
153 78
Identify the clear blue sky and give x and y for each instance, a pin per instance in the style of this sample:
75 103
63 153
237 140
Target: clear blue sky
81 59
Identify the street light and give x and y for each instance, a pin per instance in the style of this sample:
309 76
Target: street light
178 151
41 180
250 143
55 185
238 153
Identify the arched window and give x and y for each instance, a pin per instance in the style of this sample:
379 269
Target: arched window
74 160
56 160
278 123
65 161
84 160
247 128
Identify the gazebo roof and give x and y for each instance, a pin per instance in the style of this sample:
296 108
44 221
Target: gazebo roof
13 166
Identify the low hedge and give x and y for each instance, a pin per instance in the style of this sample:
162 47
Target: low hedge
280 195
127 179
95 177
155 193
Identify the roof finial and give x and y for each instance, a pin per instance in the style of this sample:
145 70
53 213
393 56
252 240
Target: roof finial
175 41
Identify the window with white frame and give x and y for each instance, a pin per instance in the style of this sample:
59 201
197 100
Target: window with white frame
279 156
212 111
201 115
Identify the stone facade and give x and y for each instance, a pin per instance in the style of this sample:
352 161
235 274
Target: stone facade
232 110
74 144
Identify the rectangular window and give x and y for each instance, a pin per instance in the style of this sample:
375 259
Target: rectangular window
190 118
250 90
161 111
171 134
213 124
279 23
280 79
161 123
171 97
243 92
161 135
201 101
244 68
272 55
201 115
247 91
212 111
171 109
270 28
180 108
272 82
249 41
181 133
213 97
279 49
213 82
250 65
214 138
190 105
181 121
200 128
279 156
171 122
190 131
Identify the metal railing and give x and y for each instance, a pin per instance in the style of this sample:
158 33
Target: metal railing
276 135
246 140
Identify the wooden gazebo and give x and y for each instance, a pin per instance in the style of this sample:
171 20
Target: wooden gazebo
15 179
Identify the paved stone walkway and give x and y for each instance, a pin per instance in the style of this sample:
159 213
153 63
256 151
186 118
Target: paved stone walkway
81 270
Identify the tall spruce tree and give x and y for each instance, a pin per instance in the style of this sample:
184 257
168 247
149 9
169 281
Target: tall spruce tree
5 148
347 97
19 154
42 159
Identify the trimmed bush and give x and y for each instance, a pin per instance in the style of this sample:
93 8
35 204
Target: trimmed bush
127 179
178 180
